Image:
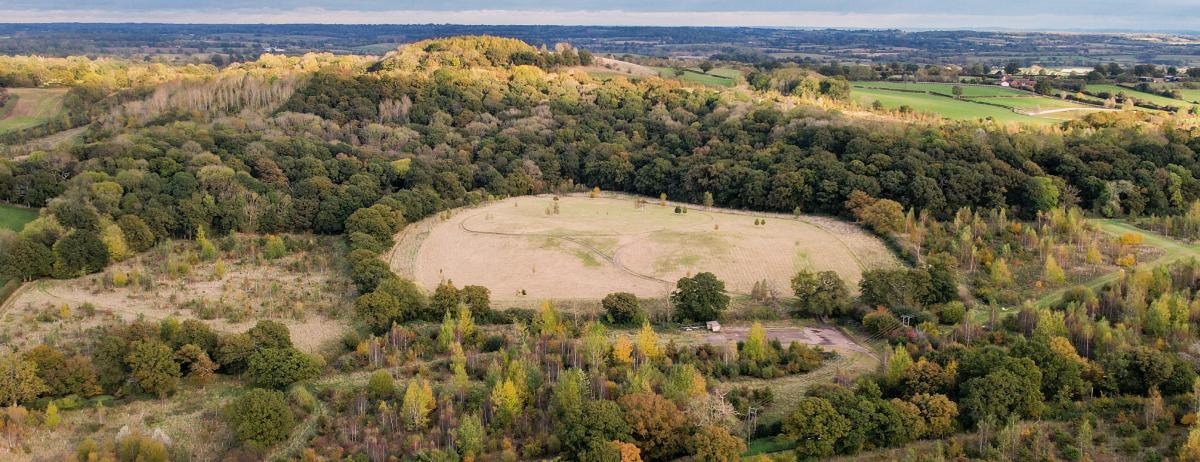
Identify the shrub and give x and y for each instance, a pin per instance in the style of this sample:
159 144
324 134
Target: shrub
260 418
279 368
623 308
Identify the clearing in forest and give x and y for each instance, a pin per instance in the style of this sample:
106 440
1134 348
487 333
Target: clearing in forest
30 107
522 249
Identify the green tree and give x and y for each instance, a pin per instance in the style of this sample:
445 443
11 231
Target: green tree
816 427
25 259
699 298
622 308
822 294
270 334
138 236
153 368
381 385
279 368
445 298
471 435
755 348
79 252
260 418
378 309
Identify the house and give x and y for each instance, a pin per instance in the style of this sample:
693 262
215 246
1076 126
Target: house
713 326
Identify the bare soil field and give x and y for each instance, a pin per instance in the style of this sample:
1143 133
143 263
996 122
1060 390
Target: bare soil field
304 290
522 250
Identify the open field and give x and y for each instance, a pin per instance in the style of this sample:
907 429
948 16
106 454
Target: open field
14 217
594 247
1140 96
304 290
721 77
977 101
30 107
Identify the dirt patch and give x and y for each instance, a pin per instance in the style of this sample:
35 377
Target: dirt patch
824 337
523 249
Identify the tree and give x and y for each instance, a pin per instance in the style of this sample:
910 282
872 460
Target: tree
19 382
381 385
62 375
1190 450
716 444
1053 273
234 350
507 402
471 436
1002 394
656 424
260 418
816 427
378 309
885 216
137 235
599 420
153 368
279 368
25 259
445 298
274 248
478 299
270 334
417 404
622 308
822 294
699 298
939 412
79 252
706 66
957 90
647 343
756 349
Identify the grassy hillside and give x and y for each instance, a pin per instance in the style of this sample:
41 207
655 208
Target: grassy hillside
1141 96
14 218
30 107
719 77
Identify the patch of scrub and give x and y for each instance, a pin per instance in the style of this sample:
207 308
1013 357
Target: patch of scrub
587 257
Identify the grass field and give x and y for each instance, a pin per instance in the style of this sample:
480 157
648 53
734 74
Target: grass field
14 218
949 108
719 77
1140 96
936 98
594 247
30 107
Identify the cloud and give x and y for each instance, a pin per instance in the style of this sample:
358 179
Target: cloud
1011 18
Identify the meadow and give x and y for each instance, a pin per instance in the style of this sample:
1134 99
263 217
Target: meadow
976 102
30 107
15 218
523 250
1139 95
720 77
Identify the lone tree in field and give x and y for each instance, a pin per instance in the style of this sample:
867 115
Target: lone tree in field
699 298
706 66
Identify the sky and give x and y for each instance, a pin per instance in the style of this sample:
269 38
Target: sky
1112 15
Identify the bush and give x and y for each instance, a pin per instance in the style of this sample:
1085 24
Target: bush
279 368
623 308
260 418
952 313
